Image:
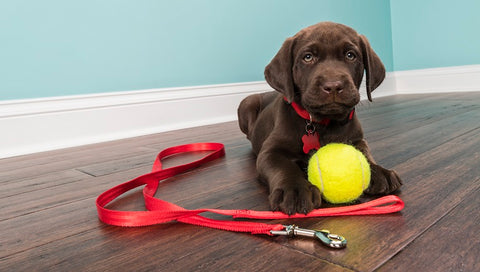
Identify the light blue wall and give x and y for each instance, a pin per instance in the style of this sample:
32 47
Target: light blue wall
59 47
435 33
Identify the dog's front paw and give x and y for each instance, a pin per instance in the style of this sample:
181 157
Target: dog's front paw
301 197
383 181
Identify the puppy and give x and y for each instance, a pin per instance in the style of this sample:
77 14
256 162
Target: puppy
316 75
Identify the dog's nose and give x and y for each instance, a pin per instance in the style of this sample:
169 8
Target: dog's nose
333 86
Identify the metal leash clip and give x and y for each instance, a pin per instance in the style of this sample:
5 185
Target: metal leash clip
328 239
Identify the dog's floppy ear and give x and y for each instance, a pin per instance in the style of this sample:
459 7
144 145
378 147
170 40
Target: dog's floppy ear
278 72
373 66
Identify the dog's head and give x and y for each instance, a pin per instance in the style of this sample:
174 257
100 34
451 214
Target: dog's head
322 66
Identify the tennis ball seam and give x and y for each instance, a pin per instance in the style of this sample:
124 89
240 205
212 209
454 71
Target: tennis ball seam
342 191
360 161
320 174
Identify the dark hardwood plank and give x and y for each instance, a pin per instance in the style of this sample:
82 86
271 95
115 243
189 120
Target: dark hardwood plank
402 119
69 159
451 244
413 142
409 106
38 182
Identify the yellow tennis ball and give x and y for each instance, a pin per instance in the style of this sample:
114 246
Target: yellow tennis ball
340 172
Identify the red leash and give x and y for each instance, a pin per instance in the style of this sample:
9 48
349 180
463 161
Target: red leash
160 211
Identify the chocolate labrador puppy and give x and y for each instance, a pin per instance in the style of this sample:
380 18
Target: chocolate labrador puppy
317 75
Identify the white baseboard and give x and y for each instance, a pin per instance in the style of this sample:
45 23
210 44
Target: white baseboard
438 80
35 125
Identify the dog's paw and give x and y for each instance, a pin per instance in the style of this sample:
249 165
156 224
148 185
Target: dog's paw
297 198
383 181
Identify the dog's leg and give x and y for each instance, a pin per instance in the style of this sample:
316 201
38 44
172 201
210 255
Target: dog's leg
383 181
250 108
248 112
290 192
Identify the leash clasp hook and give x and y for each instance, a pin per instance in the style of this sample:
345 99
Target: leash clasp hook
327 238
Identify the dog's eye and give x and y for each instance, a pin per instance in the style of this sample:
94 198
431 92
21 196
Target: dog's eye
350 56
308 57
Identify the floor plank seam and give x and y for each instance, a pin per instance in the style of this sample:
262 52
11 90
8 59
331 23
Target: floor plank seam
465 133
380 138
44 244
317 258
399 162
50 207
419 234
43 188
96 176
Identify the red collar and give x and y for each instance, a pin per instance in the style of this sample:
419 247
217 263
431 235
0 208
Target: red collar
302 112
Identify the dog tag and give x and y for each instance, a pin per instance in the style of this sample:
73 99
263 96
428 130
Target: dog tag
310 141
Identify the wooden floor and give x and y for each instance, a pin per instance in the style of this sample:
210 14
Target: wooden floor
49 222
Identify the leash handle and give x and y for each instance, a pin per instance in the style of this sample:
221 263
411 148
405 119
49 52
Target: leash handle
161 211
